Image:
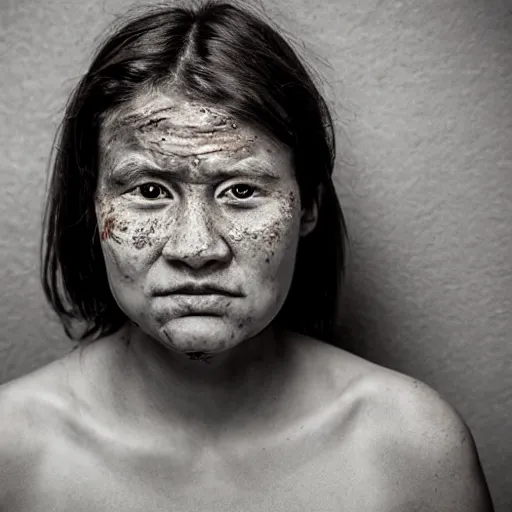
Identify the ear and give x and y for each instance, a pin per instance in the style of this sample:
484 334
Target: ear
309 216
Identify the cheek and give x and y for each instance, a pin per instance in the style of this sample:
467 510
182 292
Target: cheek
130 240
271 242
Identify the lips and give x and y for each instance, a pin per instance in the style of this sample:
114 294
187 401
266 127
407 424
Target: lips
179 304
198 289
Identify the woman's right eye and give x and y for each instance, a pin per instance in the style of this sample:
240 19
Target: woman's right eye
150 191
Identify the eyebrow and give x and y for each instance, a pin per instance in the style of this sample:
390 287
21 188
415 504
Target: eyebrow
132 169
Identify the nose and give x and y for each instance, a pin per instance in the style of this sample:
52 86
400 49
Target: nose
194 241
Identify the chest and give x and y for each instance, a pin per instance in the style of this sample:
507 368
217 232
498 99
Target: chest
312 477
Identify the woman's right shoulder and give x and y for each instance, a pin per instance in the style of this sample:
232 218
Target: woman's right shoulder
28 416
29 404
21 445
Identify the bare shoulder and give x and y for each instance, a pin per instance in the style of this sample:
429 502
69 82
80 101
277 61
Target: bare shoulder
20 446
422 453
29 418
403 407
424 449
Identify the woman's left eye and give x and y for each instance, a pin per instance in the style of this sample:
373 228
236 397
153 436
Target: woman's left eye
242 191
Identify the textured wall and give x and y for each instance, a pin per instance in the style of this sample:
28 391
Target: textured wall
422 92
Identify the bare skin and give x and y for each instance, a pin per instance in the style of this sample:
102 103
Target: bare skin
344 435
200 402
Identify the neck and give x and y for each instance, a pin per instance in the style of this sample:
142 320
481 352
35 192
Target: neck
226 392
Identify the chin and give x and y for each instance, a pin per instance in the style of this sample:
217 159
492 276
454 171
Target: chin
200 334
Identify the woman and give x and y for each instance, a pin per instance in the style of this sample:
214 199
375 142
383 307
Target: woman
193 228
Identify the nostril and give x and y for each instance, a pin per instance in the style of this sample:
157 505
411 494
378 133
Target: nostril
216 252
208 265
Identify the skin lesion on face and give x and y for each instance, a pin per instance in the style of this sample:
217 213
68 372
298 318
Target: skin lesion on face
145 234
199 356
108 230
165 129
122 227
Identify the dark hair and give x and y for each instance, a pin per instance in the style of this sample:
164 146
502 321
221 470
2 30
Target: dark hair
218 53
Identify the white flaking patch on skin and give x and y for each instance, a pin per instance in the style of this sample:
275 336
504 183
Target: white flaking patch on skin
178 129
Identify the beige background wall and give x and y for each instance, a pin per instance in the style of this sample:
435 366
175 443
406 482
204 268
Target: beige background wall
422 91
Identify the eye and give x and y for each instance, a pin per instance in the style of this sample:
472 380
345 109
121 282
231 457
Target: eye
150 190
242 191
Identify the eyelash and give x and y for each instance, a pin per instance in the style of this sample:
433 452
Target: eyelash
253 188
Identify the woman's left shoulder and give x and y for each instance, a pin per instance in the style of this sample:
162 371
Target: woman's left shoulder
407 413
422 443
400 397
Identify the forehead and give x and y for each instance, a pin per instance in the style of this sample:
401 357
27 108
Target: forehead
164 125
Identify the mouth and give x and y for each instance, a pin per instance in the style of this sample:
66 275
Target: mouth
180 304
202 290
193 289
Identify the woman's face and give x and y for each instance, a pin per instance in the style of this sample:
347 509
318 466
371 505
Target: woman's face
199 221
